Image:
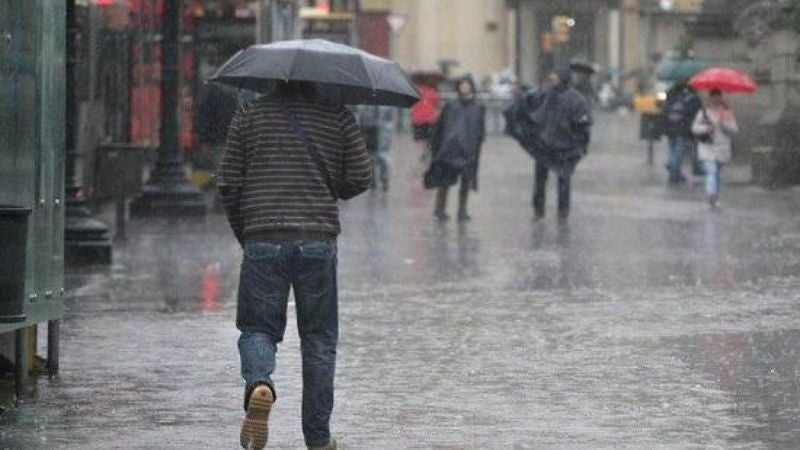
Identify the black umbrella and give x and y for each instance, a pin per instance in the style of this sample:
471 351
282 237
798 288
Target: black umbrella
579 65
340 73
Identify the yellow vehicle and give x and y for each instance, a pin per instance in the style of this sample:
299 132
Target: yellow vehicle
651 125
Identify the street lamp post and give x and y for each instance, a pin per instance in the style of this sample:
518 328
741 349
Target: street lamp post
86 240
168 192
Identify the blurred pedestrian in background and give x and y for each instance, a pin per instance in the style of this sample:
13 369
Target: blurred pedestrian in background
214 114
424 115
713 126
280 194
680 109
377 124
563 121
455 149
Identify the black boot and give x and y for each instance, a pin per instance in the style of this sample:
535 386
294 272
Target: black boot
441 204
463 216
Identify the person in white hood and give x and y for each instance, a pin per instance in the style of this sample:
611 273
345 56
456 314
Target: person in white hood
714 126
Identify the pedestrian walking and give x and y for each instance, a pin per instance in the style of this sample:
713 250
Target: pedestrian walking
214 114
456 148
680 109
424 115
562 121
288 158
377 125
713 126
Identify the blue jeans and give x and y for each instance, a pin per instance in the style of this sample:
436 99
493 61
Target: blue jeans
268 271
679 146
713 169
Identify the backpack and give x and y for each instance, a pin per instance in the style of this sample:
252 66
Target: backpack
679 112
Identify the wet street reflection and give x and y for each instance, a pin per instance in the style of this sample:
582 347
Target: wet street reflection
647 321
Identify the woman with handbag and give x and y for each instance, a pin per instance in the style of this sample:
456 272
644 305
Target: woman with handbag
714 126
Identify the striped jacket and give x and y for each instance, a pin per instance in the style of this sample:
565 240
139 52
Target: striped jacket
269 182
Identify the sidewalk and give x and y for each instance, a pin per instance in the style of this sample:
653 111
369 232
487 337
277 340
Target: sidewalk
648 322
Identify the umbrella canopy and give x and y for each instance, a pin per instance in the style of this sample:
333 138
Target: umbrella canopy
680 69
342 74
726 80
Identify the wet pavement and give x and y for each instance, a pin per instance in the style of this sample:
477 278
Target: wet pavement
647 322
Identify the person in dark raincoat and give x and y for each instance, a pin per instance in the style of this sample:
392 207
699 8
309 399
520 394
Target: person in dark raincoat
562 121
377 124
456 148
680 109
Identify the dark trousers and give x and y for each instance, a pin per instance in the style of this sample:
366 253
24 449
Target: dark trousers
463 196
269 271
540 186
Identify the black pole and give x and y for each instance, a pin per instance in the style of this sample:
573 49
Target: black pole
518 42
86 240
71 122
21 362
168 192
169 157
53 343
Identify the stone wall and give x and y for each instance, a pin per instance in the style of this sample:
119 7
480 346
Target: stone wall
757 45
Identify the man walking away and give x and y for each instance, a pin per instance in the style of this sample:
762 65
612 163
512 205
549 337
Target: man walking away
377 124
680 109
288 158
563 123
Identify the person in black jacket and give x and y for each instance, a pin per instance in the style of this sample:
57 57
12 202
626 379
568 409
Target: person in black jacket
680 109
562 120
289 157
456 148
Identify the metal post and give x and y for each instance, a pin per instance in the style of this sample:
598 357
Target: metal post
168 192
20 362
518 41
650 150
86 240
615 41
264 21
121 211
170 161
53 342
649 40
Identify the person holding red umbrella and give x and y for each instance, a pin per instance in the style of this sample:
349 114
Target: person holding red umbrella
713 126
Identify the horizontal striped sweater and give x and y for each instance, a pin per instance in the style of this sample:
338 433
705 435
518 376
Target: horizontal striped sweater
267 178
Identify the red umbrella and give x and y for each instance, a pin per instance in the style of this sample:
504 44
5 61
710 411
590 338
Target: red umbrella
726 80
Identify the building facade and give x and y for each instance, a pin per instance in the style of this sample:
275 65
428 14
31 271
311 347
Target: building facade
553 33
464 36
